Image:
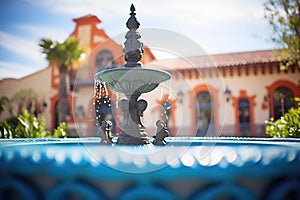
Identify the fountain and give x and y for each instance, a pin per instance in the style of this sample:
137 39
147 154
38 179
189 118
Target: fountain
185 168
132 80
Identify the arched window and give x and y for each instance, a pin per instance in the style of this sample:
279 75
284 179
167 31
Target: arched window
104 60
204 114
283 99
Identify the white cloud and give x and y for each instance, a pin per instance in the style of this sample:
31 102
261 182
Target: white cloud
213 9
202 15
27 48
15 70
44 31
190 17
188 13
82 7
21 46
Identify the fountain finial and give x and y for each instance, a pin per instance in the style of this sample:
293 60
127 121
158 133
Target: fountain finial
132 22
132 8
133 47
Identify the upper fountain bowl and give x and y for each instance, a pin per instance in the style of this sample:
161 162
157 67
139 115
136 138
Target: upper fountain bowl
132 80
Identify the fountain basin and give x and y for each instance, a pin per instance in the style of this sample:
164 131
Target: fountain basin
129 80
186 168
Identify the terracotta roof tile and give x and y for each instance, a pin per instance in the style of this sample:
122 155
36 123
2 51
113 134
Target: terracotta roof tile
217 60
87 19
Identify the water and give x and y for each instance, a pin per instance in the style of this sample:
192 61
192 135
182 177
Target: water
165 97
102 104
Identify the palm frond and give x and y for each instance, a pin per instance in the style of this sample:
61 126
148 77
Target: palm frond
66 53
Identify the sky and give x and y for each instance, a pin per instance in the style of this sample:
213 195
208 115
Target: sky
218 26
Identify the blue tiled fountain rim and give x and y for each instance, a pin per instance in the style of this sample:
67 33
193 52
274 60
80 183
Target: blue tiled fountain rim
251 157
232 159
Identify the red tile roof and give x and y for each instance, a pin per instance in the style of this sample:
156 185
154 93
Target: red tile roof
218 60
87 19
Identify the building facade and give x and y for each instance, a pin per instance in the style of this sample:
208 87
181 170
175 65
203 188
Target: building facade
231 94
215 95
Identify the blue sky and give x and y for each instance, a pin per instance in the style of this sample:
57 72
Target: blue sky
218 26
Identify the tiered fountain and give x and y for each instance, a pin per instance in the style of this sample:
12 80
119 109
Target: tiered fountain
133 80
186 168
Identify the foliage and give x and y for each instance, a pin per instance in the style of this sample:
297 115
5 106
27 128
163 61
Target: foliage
23 95
4 101
12 121
26 99
61 131
284 18
286 126
64 54
29 126
6 131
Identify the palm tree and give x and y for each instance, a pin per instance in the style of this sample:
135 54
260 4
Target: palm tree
65 55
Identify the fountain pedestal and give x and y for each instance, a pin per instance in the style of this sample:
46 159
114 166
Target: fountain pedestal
133 131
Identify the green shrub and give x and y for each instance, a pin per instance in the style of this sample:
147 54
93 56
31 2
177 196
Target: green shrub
61 131
285 127
6 131
29 126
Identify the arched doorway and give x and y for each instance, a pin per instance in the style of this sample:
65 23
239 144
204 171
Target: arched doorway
204 109
244 117
54 111
204 114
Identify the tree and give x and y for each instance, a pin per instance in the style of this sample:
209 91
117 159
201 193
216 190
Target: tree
284 18
4 101
26 99
64 55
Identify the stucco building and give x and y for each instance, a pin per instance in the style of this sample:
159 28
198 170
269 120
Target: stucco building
226 94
